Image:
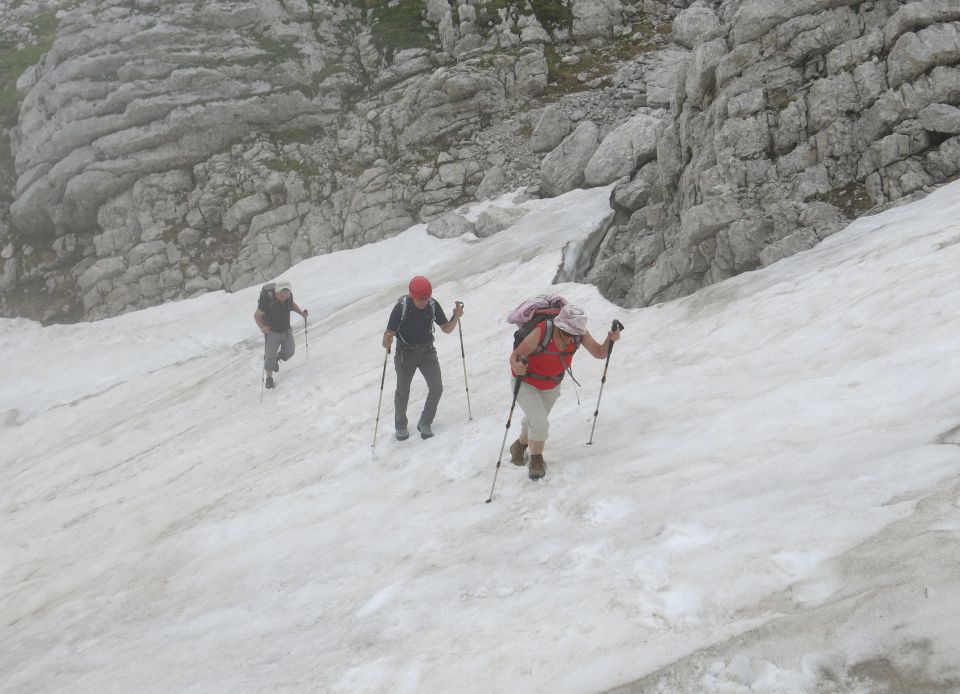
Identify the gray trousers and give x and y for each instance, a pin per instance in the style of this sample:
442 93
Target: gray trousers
407 360
277 341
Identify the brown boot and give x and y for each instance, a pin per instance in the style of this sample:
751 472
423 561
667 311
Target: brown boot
517 451
538 468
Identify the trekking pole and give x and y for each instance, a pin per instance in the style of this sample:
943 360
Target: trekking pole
616 327
263 372
463 358
383 378
306 337
516 390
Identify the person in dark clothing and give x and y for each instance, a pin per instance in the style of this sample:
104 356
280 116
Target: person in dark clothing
411 321
273 319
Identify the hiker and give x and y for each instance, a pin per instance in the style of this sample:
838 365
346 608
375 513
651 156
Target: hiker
548 351
412 322
273 319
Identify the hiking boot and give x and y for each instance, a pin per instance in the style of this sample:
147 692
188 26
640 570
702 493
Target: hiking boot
425 431
517 453
270 383
403 434
538 468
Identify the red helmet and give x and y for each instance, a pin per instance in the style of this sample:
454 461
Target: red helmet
420 288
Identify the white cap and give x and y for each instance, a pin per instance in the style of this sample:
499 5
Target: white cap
282 286
571 319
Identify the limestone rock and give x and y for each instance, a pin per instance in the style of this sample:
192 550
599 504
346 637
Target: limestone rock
493 183
562 169
693 24
940 118
553 126
244 210
494 219
596 17
450 226
629 146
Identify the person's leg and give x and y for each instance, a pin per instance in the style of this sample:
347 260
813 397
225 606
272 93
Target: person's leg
518 449
534 425
287 345
406 365
430 368
537 438
536 406
272 343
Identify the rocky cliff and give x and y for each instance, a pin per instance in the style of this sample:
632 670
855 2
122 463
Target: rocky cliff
788 119
152 150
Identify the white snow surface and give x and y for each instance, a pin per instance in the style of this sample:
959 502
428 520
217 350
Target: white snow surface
771 502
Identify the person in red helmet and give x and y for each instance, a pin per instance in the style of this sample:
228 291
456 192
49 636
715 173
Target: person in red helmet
412 321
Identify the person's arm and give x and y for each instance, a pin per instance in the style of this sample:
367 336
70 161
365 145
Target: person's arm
258 317
595 348
393 324
452 323
523 350
297 309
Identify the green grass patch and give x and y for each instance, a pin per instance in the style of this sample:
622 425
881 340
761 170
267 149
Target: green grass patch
306 170
14 61
852 200
278 51
553 14
488 15
563 78
399 27
303 136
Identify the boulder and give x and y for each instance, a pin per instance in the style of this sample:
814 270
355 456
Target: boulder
450 226
553 126
494 219
629 146
562 169
693 24
940 118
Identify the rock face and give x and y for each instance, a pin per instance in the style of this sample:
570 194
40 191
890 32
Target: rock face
165 149
159 150
788 119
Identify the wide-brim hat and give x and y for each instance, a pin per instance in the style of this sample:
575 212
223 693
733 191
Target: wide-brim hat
571 319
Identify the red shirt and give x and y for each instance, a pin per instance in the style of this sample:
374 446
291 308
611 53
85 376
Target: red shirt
551 365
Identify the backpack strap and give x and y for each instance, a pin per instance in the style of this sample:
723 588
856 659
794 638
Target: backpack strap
404 302
542 349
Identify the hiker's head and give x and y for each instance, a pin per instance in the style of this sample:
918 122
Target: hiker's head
571 320
420 291
282 290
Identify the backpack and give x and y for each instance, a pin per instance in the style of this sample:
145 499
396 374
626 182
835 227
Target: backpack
544 313
404 301
266 295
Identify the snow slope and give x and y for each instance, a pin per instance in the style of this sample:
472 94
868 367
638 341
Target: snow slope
771 502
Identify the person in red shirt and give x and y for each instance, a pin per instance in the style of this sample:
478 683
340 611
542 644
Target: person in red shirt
541 377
